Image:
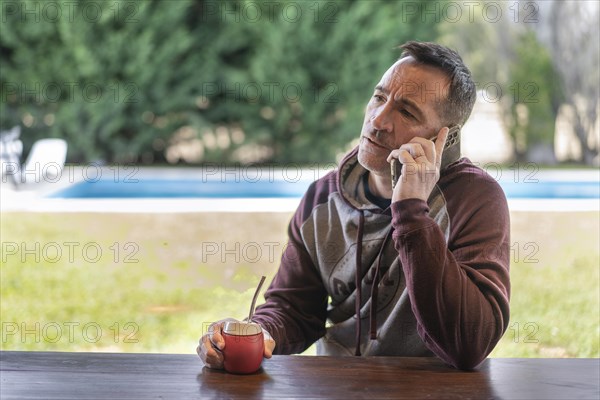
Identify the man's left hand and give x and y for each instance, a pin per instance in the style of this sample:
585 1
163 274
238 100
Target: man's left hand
421 159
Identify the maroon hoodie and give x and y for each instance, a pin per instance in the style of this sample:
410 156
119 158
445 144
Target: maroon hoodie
425 277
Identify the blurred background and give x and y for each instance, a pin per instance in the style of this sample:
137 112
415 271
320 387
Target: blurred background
180 86
194 81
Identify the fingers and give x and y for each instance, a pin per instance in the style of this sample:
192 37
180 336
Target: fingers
217 339
269 344
439 145
211 345
421 150
413 152
209 356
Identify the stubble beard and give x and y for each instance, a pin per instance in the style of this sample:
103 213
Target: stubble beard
372 163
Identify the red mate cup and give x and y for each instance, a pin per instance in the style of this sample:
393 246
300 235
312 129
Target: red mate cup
244 347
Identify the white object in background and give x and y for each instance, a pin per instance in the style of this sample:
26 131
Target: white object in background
45 161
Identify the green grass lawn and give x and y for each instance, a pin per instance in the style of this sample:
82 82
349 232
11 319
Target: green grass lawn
153 282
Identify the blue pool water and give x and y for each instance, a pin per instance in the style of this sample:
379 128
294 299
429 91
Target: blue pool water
184 188
189 188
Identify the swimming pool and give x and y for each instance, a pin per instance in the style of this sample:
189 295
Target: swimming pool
212 189
184 188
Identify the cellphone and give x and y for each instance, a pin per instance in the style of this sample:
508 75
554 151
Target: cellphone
451 153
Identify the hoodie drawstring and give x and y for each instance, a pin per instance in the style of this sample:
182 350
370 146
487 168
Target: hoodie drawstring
358 283
374 289
358 278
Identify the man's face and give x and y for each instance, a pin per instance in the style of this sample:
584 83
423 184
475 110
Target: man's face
405 104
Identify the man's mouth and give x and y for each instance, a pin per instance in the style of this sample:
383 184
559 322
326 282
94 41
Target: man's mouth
381 146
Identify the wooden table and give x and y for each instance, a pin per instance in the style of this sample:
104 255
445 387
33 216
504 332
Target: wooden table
53 375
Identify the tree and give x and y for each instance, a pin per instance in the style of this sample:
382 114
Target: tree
531 92
506 53
197 80
100 75
296 81
571 31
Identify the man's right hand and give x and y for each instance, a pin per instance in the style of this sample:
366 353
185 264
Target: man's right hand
211 345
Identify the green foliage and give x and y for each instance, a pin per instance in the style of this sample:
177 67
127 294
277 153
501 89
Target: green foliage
514 68
531 90
85 76
235 81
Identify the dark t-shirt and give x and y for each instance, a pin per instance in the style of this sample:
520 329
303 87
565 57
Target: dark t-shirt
380 202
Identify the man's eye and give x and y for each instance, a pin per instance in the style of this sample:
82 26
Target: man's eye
378 98
407 114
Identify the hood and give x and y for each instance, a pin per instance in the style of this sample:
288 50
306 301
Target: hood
350 184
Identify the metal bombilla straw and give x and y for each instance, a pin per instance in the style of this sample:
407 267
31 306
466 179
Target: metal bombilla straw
262 280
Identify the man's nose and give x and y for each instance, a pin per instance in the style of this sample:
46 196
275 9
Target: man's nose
381 119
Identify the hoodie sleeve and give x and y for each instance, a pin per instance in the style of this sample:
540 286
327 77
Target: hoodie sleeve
459 291
295 310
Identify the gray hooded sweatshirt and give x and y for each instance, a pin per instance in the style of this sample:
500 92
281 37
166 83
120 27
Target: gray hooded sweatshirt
411 278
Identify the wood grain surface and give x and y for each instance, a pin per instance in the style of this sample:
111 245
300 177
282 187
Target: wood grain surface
56 375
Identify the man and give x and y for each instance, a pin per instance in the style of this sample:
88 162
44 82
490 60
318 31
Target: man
418 270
